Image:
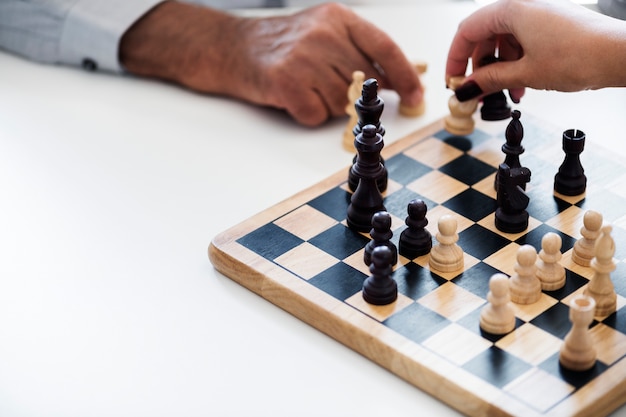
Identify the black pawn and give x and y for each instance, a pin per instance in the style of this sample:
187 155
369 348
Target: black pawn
367 198
369 108
513 148
381 236
571 179
415 240
495 106
511 215
380 288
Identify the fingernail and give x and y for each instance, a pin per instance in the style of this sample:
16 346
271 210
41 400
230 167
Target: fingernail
468 91
513 98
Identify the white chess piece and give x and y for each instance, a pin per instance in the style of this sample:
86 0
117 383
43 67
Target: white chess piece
446 256
577 352
460 121
524 285
414 111
354 92
584 248
498 316
600 287
549 271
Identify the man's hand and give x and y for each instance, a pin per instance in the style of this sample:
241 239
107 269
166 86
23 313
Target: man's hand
301 63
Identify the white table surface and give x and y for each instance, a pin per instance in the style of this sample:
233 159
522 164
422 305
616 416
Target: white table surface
111 190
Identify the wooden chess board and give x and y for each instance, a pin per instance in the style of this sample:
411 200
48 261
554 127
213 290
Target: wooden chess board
301 256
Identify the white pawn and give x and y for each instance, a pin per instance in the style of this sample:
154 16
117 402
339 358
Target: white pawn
600 287
410 110
584 247
354 92
577 352
446 256
549 271
524 285
498 316
460 121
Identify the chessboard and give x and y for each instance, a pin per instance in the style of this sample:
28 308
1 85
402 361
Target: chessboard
301 255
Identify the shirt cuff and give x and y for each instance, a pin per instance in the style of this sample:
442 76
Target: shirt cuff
93 29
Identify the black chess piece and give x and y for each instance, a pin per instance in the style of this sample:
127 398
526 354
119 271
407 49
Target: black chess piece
511 215
381 236
495 106
367 198
513 148
415 240
380 288
570 179
369 108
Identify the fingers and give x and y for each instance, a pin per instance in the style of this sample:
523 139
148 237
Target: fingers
492 78
396 70
313 95
478 31
480 35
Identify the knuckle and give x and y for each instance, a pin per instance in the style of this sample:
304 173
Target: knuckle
309 115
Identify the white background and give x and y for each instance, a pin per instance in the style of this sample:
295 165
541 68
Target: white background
111 189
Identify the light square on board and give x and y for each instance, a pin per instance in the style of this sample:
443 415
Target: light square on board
306 260
528 312
305 222
620 301
568 263
494 128
433 152
573 199
437 212
437 186
617 185
489 222
392 187
468 262
569 221
539 389
530 343
489 152
487 186
610 344
357 261
457 344
504 259
380 313
451 301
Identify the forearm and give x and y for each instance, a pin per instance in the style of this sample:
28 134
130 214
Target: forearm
182 43
70 32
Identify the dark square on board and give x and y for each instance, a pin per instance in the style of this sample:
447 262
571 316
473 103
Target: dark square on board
339 241
334 203
341 281
467 169
471 204
270 241
497 366
416 322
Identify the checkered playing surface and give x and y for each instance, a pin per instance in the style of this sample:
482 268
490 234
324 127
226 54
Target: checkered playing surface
440 312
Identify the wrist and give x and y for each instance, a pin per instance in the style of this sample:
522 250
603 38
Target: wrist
180 42
608 54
